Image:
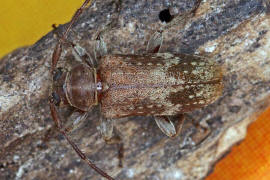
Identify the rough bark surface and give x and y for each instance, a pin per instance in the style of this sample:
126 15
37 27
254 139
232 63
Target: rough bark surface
233 32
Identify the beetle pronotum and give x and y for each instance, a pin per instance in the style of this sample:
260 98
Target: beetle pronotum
154 84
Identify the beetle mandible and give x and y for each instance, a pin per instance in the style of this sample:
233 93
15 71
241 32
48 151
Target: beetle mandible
154 84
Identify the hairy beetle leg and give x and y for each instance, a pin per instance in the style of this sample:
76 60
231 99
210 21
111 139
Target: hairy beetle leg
155 42
180 120
116 139
58 48
110 137
83 56
100 47
59 126
106 128
75 120
168 127
79 52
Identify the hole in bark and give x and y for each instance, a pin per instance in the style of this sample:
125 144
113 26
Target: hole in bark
165 16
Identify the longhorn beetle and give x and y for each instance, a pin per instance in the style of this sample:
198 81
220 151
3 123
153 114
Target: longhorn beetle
153 84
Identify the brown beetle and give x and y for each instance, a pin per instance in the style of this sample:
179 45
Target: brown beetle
154 84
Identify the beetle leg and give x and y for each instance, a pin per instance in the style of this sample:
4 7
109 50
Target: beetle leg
166 125
59 126
106 129
75 120
116 139
82 55
100 47
179 124
79 52
58 48
155 42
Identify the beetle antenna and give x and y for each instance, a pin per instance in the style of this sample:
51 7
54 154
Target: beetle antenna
76 15
59 126
58 48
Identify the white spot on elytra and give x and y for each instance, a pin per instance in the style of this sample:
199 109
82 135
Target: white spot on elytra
139 63
149 64
165 55
202 63
195 72
199 94
201 102
150 106
185 72
191 96
193 63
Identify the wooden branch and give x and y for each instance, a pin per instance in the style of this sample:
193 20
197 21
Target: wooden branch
235 33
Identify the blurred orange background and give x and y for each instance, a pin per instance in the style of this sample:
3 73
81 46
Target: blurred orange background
25 22
251 159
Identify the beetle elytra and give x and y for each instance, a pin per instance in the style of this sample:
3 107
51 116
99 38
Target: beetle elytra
153 84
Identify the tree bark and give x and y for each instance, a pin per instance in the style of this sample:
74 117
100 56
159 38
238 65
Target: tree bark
235 33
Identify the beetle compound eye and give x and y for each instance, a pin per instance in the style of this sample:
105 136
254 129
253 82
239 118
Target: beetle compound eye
57 74
165 16
56 98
